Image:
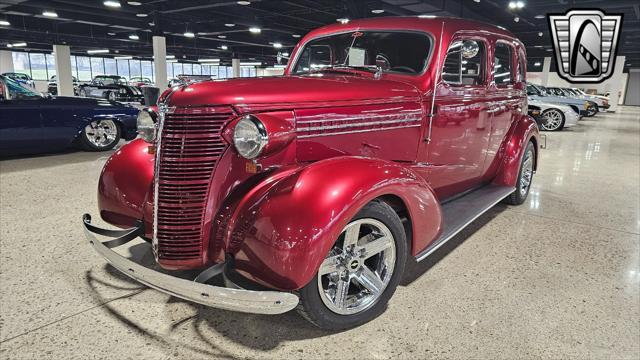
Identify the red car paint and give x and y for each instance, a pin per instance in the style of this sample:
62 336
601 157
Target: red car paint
278 216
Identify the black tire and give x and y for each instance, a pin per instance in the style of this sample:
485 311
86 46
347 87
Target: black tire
544 125
88 145
593 110
518 196
82 92
313 308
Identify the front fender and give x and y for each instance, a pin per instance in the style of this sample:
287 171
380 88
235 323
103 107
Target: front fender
524 130
124 183
280 233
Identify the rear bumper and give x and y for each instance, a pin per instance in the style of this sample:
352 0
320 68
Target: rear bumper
234 299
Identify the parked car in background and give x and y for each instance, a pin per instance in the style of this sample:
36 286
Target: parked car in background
568 93
538 92
21 78
52 87
111 87
553 117
602 101
140 81
31 123
313 189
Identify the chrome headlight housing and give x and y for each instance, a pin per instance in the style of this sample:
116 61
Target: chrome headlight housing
250 137
147 127
122 91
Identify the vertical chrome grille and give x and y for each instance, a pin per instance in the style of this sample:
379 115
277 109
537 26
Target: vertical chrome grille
190 147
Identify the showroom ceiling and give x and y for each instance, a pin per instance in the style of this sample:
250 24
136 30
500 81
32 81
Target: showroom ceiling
222 28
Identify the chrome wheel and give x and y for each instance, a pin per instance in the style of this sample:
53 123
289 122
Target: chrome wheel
551 120
358 268
101 133
526 174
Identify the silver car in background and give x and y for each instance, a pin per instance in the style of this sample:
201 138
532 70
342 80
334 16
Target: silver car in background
552 117
537 92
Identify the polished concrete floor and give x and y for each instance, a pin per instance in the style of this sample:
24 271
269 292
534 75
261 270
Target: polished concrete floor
558 277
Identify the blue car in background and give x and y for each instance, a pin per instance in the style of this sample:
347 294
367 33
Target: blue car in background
31 123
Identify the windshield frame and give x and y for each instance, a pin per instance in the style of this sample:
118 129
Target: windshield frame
302 46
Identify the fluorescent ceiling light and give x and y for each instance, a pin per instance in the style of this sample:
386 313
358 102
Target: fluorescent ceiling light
377 11
257 63
48 13
342 20
539 16
112 3
516 4
123 57
189 34
255 30
277 45
222 36
134 37
536 64
111 34
99 51
171 56
285 54
208 60
229 25
134 3
4 23
426 16
20 44
224 47
244 3
141 15
295 35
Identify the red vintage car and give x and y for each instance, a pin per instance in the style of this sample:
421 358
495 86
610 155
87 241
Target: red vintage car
384 138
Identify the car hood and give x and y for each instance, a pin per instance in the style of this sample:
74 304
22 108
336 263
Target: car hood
292 91
558 99
545 105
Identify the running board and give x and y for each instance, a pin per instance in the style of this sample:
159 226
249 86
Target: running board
459 213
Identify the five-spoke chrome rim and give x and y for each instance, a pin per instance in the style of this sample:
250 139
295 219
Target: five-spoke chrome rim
552 120
527 173
101 133
358 268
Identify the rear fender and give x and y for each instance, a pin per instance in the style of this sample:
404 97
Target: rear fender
522 132
281 231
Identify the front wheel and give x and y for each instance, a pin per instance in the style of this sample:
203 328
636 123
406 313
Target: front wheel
82 92
100 135
360 273
592 111
525 177
552 120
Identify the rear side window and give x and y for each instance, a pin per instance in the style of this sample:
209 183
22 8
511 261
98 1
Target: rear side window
521 68
464 64
502 73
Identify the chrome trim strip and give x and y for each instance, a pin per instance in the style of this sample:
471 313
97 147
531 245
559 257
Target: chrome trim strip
162 110
361 117
357 131
248 301
428 251
343 126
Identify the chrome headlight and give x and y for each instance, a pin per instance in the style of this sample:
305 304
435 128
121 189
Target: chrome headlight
122 91
147 126
250 137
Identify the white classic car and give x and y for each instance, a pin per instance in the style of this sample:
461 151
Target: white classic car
552 117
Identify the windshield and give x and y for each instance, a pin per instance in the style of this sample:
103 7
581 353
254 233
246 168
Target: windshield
386 51
112 80
17 91
532 90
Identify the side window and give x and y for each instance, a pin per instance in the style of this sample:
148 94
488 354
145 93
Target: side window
464 63
314 57
502 73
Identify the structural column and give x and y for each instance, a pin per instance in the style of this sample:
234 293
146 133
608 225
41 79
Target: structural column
235 64
617 83
160 61
64 78
546 67
6 61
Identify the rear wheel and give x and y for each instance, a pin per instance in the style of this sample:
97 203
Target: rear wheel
552 120
525 177
100 135
592 111
360 273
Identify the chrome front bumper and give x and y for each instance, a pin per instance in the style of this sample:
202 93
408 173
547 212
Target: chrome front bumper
248 301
